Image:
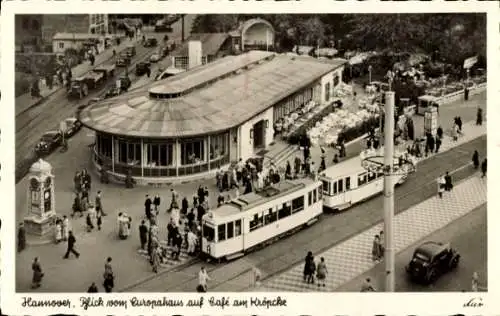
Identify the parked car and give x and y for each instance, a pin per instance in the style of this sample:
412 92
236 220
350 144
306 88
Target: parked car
73 125
151 42
163 26
130 51
117 89
142 68
431 260
48 142
122 61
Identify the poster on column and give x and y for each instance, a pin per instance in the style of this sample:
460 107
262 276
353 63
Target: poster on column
233 185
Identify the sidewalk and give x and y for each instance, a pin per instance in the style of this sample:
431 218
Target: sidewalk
353 256
26 101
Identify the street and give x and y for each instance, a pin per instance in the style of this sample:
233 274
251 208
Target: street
468 235
136 275
31 124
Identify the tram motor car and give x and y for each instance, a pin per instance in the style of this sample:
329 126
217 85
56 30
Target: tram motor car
258 218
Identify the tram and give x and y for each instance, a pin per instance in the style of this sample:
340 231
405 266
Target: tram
257 218
348 182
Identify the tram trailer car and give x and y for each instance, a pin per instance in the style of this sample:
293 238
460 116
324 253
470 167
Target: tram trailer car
257 218
348 183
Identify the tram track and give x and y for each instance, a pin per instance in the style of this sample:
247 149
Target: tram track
34 122
419 186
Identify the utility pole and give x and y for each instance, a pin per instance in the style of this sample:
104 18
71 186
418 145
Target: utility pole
389 255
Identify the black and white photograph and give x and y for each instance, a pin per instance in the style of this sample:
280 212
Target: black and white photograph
250 153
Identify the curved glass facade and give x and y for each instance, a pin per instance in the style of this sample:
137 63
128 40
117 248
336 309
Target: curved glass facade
162 158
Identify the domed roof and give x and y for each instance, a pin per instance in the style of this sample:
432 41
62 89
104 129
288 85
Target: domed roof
41 166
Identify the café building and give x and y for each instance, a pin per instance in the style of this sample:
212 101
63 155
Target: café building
186 126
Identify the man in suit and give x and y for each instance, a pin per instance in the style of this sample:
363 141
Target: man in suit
71 246
98 204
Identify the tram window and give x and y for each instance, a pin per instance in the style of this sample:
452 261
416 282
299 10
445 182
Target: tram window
256 222
341 185
362 179
208 233
298 204
371 176
284 211
326 187
335 187
315 196
347 183
221 232
270 217
310 198
230 230
237 227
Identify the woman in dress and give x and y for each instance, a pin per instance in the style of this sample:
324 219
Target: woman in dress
37 274
58 231
321 272
441 186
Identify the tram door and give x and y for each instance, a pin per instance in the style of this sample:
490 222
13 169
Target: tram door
342 190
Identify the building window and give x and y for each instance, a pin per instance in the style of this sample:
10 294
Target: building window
219 146
60 45
327 92
192 152
104 145
159 155
129 153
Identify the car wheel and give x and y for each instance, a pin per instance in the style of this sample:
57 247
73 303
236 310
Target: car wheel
454 263
432 276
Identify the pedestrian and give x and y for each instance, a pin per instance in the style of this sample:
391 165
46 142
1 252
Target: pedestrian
109 277
143 234
322 165
448 182
58 231
479 116
307 265
439 132
367 286
98 204
155 258
376 255
220 200
438 144
90 225
454 132
175 215
311 272
184 206
203 278
21 238
37 274
156 203
191 242
77 206
71 246
170 232
66 227
99 221
459 125
177 245
381 243
321 272
173 202
483 168
441 186
77 181
147 207
93 288
475 159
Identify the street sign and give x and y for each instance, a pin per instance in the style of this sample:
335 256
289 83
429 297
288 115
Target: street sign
63 126
469 62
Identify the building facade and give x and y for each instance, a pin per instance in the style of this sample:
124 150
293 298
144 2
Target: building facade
203 119
34 32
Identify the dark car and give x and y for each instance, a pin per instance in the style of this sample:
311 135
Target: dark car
431 260
130 51
163 28
151 42
142 68
48 142
114 91
72 126
122 61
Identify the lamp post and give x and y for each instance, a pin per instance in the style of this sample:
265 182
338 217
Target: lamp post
370 74
389 254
